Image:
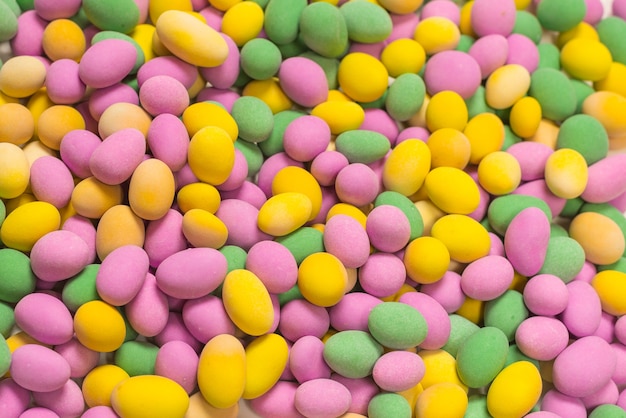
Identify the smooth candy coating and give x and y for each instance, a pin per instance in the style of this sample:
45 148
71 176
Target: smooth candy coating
574 133
546 294
323 29
198 195
352 311
382 275
541 338
346 239
388 405
81 359
442 398
65 401
322 397
118 15
107 62
525 117
516 389
402 56
241 290
565 258
397 325
499 94
195 311
59 255
45 318
100 382
240 218
322 279
443 72
260 59
388 228
292 75
406 167
607 284
277 401
400 101
21 76
284 213
599 188
362 146
242 22
503 209
26 224
16 171
99 326
576 59
357 184
466 239
17 124
566 173
155 395
148 312
163 94
397 371
136 357
38 368
357 67
51 181
352 353
211 154
486 134
274 265
168 141
306 359
305 138
554 92
106 162
550 17
481 356
266 358
365 23
583 314
253 117
493 17
300 318
490 52
602 246
151 190
341 115
91 198
293 179
526 241
499 173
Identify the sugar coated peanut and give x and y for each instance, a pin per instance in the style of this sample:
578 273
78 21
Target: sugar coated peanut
165 397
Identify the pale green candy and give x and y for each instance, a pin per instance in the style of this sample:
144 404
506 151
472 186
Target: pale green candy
3 209
109 34
324 30
560 15
509 138
528 25
81 19
26 4
262 3
405 96
367 22
281 20
549 56
303 242
253 155
481 357
465 43
397 325
582 91
274 143
329 65
405 204
81 288
557 230
607 411
137 357
503 209
477 407
7 319
352 353
554 92
254 118
477 103
389 405
362 146
5 356
235 257
515 354
612 31
116 15
571 208
131 334
565 258
460 329
506 312
291 294
14 6
585 134
619 265
8 22
376 104
292 49
260 59
16 277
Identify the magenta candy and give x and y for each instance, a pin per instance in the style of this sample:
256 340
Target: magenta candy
306 137
115 159
352 311
345 238
178 361
175 330
238 174
403 26
128 261
38 368
493 17
29 36
84 228
583 312
148 311
163 94
327 165
541 337
398 370
76 149
452 70
195 312
378 120
595 11
607 179
532 157
563 405
240 218
446 291
45 318
225 75
546 294
442 8
51 181
15 399
107 62
436 318
65 402
388 228
300 317
526 241
322 397
168 65
59 255
303 81
608 394
539 188
101 99
362 391
278 401
357 184
39 412
247 192
490 52
63 84
168 140
522 51
619 377
80 358
487 278
274 265
382 275
306 359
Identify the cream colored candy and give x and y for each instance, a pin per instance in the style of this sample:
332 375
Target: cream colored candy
22 76
14 171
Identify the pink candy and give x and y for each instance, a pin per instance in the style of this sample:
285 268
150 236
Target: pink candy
130 262
107 62
38 368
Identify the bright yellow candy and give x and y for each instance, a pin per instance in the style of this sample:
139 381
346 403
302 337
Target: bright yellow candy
190 39
522 4
16 202
322 279
547 133
449 148
412 394
446 109
19 339
582 30
266 358
402 56
299 180
440 368
91 198
14 170
586 59
123 115
506 85
211 155
37 103
610 285
515 390
465 25
55 122
99 326
21 76
243 22
614 80
600 237
200 408
117 227
247 302
426 260
63 38
485 132
525 117
223 5
347 209
401 6
222 371
499 173
151 190
472 310
441 400
17 124
362 77
157 7
406 167
436 34
566 173
4 99
198 196
452 190
23 227
99 383
466 239
143 35
203 229
609 108
149 396
340 116
284 213
202 114
270 92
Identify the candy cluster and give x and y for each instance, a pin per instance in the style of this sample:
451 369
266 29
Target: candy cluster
324 209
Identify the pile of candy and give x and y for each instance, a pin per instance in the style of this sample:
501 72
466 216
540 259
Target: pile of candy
312 209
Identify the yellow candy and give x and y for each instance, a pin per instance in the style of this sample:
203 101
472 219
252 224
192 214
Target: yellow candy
449 148
586 59
99 383
566 173
118 226
284 213
472 310
151 190
200 408
266 358
14 170
499 173
436 34
466 239
223 5
582 30
37 103
401 6
270 92
347 209
198 196
243 22
123 115
515 390
55 122
610 285
157 7
247 302
4 99
203 229
440 368
506 85
406 167
91 198
143 35
426 259
202 114
446 109
419 118
430 214
609 108
19 339
99 326
485 132
403 56
12 204
21 76
441 400
600 237
614 80
525 117
17 124
340 116
322 279
362 77
222 371
412 394
465 24
62 38
190 39
547 133
297 179
211 155
23 227
149 396
522 4
452 190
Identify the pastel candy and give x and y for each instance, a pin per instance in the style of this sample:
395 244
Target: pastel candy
346 239
481 356
119 15
241 289
599 190
291 74
273 264
551 332
322 397
352 353
148 311
306 360
281 22
398 370
526 241
59 255
44 317
493 17
365 23
107 62
106 162
583 313
509 381
51 181
266 358
408 329
14 180
362 146
331 41
38 218
28 363
163 397
151 190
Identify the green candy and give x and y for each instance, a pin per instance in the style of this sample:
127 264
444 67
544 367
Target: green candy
291 294
274 143
549 56
397 325
585 134
7 319
405 96
262 3
26 4
554 92
388 405
612 32
81 288
582 91
607 411
509 138
253 155
329 65
137 357
367 22
477 407
572 207
254 118
481 356
116 15
16 277
376 104
324 29
8 22
352 353
503 209
362 146
303 242
81 19
235 257
292 49
3 209
14 6
515 354
5 356
557 230
460 329
565 258
109 34
260 59
281 20
528 25
477 103
405 204
561 15
506 312
619 265
465 43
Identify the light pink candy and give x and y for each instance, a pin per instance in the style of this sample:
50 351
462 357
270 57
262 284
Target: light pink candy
238 174
490 52
184 72
52 9
436 318
522 51
607 179
619 8
378 120
163 94
15 399
532 157
446 291
248 192
80 358
322 398
66 402
403 26
29 36
168 140
487 278
175 330
38 368
493 17
606 329
39 412
164 237
396 371
452 70
224 97
270 167
115 159
107 62
546 294
583 312
620 329
59 255
306 359
178 361
225 75
382 275
563 405
300 317
388 228
345 238
240 218
128 261
362 391
357 184
327 165
101 99
76 149
303 81
526 241
195 312
619 377
595 11
306 137
443 8
100 411
607 394
413 132
278 401
84 228
352 311
538 188
63 84
45 318
51 181
148 311
274 265
541 337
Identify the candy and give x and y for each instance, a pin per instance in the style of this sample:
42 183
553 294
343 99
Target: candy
410 327
39 368
335 398
165 397
352 353
505 395
331 41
